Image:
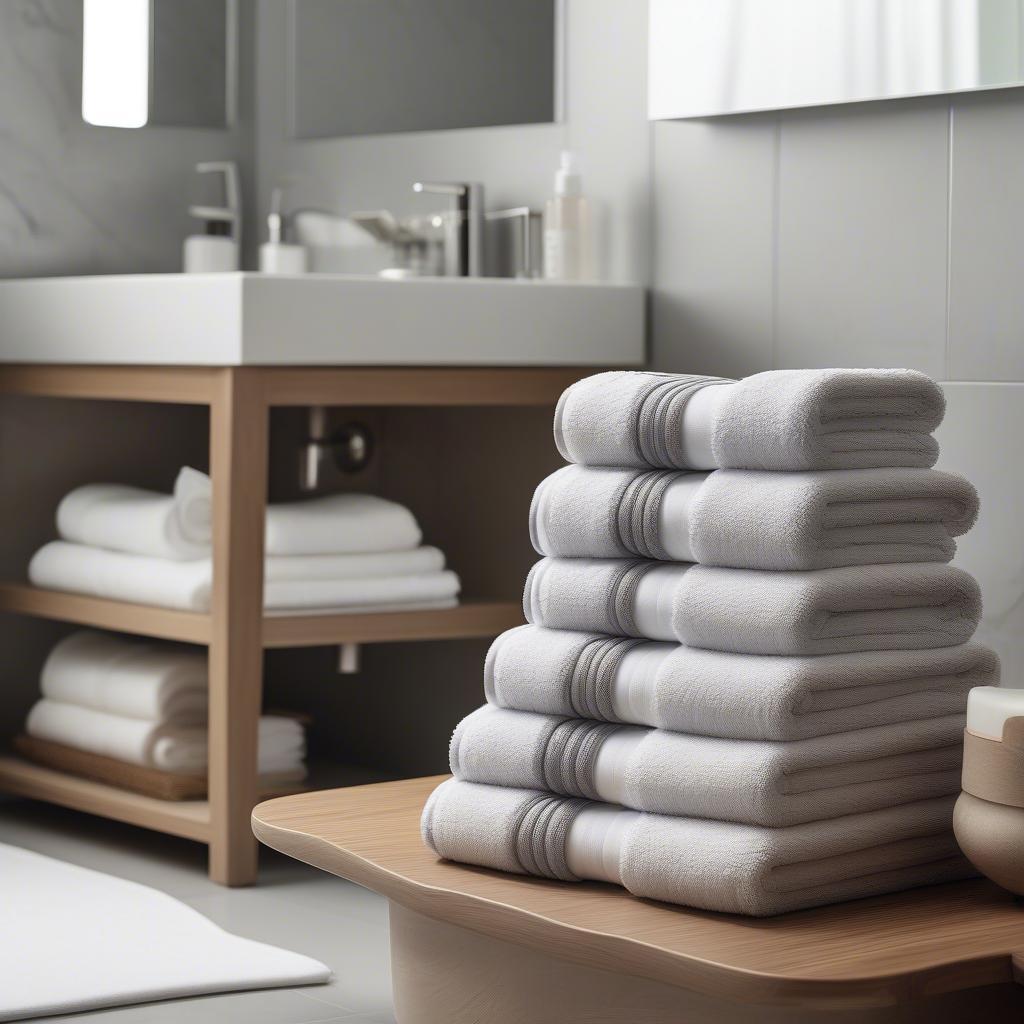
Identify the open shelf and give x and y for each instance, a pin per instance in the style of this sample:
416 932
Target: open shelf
188 818
121 616
464 621
468 620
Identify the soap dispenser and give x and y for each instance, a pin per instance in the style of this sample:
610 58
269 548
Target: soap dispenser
568 235
276 255
217 249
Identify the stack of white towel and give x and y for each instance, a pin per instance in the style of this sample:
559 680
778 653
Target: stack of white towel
744 680
145 703
340 553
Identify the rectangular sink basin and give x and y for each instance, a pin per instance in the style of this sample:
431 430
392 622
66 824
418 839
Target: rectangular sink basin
252 319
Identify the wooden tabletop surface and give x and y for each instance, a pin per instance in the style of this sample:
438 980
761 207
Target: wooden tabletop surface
875 952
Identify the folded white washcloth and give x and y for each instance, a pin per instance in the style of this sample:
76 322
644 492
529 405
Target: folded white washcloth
187 586
179 526
714 865
735 696
759 782
752 519
754 611
778 420
385 593
170 747
123 518
340 524
414 562
147 680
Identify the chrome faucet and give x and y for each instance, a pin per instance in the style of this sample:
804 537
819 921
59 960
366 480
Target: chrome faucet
464 231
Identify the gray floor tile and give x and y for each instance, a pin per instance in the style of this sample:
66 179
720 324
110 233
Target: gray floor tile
173 865
367 1018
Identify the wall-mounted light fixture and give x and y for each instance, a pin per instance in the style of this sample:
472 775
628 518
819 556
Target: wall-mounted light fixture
158 62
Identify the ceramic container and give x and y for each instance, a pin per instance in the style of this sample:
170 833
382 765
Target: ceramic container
989 815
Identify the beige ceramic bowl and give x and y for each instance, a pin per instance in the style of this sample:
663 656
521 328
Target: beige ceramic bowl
989 816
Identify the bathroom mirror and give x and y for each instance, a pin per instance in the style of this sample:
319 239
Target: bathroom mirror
710 57
367 67
158 62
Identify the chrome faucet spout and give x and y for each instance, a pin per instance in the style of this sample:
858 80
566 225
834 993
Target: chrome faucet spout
465 232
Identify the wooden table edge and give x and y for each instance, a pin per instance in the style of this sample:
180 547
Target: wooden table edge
624 955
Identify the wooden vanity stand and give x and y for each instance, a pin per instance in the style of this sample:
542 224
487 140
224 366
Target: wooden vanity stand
236 632
470 945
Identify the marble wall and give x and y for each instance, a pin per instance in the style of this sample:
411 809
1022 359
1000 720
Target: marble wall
76 199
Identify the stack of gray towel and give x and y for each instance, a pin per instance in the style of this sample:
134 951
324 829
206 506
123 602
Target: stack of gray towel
744 680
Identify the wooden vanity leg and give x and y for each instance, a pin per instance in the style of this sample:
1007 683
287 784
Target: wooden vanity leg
238 466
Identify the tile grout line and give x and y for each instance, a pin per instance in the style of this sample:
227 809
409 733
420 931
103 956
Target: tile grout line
775 242
949 236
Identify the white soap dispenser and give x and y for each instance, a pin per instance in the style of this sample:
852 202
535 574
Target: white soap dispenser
276 255
217 249
568 234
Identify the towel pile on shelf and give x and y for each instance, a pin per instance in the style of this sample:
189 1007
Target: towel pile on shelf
744 680
145 704
339 553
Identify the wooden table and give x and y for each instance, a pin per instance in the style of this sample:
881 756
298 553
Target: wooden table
472 945
236 632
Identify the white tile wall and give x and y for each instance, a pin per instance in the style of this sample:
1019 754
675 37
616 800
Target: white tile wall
986 298
861 245
886 234
897 239
713 245
980 438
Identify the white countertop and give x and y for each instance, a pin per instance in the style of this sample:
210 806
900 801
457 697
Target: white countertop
244 319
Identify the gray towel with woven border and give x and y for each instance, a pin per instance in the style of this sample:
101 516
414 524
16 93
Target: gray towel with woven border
912 606
751 519
734 696
713 865
777 420
758 782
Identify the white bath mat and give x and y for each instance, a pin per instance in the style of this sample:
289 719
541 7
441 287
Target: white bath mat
72 939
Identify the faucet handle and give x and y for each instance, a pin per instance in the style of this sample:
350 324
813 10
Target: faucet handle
456 189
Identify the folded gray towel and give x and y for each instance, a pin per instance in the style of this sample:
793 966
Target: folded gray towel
781 419
752 519
714 865
758 782
911 606
735 696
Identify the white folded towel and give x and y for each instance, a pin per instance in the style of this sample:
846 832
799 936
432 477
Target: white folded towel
181 749
751 519
759 782
179 526
385 593
414 562
714 865
778 420
735 696
754 611
187 585
156 682
340 524
123 518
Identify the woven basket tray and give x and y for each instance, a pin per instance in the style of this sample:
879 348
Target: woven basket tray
148 781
